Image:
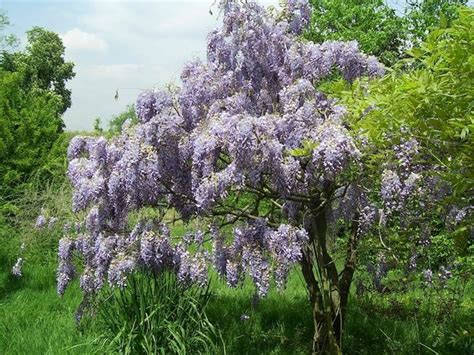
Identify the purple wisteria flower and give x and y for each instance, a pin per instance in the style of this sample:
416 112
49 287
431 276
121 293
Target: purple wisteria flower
428 276
231 129
40 222
444 275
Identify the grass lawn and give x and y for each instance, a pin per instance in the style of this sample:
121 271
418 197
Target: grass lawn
34 320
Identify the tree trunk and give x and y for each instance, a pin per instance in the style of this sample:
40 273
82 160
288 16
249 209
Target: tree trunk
326 337
328 294
321 278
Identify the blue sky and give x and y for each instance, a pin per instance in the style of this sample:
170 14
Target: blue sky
128 45
124 45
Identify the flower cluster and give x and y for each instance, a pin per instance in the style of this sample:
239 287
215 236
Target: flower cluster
395 192
401 181
231 127
352 205
111 259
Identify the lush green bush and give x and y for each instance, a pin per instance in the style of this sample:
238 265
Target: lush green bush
424 15
29 126
33 96
421 269
42 66
156 315
377 27
432 103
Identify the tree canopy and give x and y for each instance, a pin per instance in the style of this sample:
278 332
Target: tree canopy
42 65
33 97
377 27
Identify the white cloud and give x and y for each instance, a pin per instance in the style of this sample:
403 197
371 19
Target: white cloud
112 71
147 44
76 39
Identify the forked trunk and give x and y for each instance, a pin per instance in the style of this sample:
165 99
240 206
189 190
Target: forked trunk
325 337
328 290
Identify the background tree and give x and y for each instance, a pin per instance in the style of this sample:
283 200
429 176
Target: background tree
376 26
42 65
29 124
6 41
424 15
33 98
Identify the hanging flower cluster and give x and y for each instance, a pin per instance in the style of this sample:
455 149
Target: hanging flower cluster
228 131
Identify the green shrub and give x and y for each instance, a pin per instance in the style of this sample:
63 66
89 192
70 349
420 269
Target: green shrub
156 315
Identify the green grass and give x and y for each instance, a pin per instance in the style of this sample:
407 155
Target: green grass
35 320
279 324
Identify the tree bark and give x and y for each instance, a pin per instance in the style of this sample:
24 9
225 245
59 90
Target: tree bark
350 265
320 274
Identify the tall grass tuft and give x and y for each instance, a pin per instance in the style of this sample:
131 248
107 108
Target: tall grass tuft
156 315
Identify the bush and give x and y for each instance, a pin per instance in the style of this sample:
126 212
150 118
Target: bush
156 315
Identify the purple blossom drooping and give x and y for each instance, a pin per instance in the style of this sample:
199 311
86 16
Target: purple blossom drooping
428 276
366 219
444 275
412 262
66 270
231 128
64 275
286 245
151 103
391 190
119 269
40 221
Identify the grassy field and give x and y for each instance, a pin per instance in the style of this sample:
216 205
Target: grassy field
35 320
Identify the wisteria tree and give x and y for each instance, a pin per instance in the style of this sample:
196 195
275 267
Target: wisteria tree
248 145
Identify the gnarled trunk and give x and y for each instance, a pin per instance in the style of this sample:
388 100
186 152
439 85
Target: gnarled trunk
328 290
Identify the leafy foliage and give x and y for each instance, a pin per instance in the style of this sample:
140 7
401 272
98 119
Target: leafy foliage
433 103
376 26
42 66
29 127
372 23
425 15
32 98
156 315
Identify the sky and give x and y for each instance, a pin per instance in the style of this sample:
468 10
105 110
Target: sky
118 45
